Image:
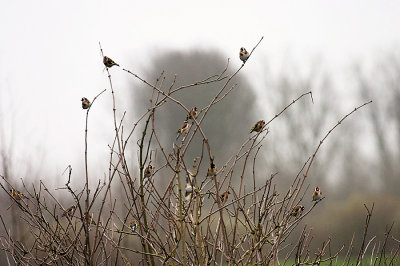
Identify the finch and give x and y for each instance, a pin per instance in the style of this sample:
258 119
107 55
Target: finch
89 218
188 191
70 211
148 171
258 126
243 55
183 129
298 210
16 194
108 62
317 195
224 197
133 225
85 103
212 170
193 113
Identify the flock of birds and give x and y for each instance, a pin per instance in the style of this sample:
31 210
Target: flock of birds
183 130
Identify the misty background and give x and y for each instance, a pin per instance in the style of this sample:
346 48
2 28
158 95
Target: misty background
345 53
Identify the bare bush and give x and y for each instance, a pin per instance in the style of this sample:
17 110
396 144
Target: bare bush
205 214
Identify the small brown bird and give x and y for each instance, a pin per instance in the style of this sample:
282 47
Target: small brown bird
108 62
16 194
148 171
193 113
258 126
188 191
89 218
85 103
224 197
70 211
243 55
317 195
133 225
183 129
212 170
298 210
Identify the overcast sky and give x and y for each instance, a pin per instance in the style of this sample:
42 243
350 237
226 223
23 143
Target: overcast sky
50 56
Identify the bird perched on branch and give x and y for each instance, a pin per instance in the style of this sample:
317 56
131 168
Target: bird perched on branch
188 191
148 171
133 225
298 210
224 197
243 55
108 62
16 194
258 126
89 218
193 113
70 211
183 129
317 195
212 170
85 103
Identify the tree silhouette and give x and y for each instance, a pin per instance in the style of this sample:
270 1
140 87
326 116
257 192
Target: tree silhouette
228 123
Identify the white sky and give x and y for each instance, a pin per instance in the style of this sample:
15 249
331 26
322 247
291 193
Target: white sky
50 56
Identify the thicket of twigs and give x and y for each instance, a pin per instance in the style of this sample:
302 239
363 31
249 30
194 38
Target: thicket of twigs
221 218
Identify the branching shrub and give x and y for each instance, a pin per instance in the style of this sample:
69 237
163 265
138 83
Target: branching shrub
206 214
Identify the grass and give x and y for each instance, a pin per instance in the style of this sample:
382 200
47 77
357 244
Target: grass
352 261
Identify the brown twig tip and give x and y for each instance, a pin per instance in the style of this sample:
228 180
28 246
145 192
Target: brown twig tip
312 99
256 46
101 50
369 212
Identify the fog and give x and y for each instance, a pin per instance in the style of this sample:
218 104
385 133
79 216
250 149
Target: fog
345 53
